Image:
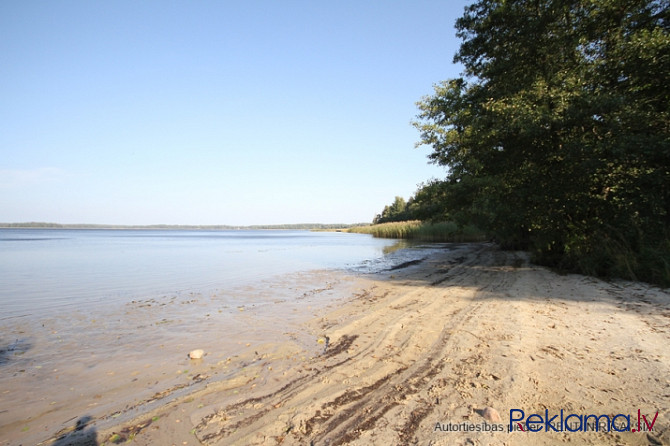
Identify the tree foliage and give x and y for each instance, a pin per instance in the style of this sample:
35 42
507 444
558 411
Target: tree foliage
427 204
397 211
557 137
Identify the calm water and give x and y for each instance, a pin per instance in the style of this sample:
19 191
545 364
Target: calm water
45 270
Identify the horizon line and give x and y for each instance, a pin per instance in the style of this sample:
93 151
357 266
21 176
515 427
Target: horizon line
51 225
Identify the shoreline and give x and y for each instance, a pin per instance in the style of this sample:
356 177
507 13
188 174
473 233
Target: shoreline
385 359
122 360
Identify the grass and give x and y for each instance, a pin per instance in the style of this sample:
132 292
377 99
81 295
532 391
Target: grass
418 230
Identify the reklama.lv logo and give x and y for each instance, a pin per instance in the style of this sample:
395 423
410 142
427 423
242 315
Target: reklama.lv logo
578 422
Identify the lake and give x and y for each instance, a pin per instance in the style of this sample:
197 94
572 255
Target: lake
44 270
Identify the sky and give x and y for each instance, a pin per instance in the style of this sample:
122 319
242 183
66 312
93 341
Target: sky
216 112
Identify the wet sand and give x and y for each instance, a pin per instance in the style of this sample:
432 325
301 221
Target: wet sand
111 363
392 359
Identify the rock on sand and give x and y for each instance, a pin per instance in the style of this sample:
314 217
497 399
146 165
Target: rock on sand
491 415
196 354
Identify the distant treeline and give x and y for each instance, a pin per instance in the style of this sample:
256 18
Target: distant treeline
297 226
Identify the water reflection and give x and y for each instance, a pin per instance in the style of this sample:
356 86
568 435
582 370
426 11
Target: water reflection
400 244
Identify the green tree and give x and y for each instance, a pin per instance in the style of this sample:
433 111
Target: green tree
428 203
397 211
557 138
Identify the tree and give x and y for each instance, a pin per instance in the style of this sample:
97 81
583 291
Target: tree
557 138
397 211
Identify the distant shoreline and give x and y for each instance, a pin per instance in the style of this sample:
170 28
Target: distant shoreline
296 226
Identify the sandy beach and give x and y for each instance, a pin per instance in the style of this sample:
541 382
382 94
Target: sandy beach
412 355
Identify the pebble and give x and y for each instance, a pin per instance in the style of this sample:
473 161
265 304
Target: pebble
196 354
491 415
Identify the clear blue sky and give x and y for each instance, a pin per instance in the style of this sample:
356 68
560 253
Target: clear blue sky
215 112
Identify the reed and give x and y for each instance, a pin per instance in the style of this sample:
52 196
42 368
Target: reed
418 230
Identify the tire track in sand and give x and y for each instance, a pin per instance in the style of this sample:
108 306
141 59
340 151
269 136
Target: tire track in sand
322 414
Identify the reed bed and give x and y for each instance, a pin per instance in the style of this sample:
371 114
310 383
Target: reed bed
418 230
